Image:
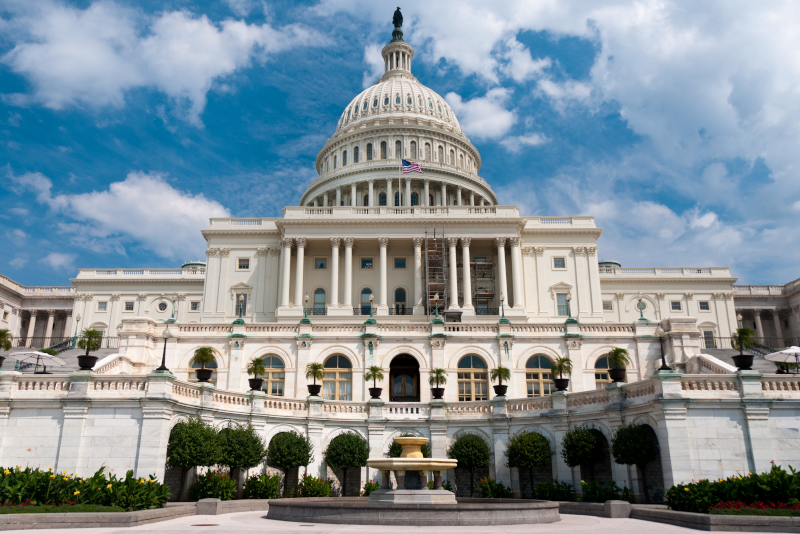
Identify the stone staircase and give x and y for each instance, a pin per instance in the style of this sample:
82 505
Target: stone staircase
759 363
70 356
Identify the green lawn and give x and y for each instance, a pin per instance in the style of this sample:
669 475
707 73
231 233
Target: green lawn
67 508
755 511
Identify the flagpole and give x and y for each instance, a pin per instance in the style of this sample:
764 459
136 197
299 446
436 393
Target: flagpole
400 180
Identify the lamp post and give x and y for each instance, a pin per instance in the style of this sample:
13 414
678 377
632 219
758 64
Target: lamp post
305 306
436 303
660 334
166 335
371 299
241 305
502 306
75 337
569 305
738 318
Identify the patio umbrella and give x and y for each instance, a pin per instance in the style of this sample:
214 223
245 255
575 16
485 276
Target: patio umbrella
792 354
40 357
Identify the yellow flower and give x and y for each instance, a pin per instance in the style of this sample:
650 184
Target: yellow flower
49 468
19 467
108 487
65 479
52 476
77 493
63 472
142 481
685 489
6 472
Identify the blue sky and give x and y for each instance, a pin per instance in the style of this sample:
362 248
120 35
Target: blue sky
125 125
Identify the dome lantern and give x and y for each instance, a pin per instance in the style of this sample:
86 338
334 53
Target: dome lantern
398 53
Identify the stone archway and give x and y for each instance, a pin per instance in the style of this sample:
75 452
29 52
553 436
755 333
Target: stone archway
404 383
654 473
601 471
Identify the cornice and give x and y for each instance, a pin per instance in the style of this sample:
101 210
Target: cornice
560 231
76 281
231 232
398 222
670 280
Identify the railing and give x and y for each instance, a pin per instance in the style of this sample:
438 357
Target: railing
246 222
214 328
709 383
587 398
60 384
656 271
487 311
340 407
469 408
344 212
284 405
406 411
760 345
401 311
88 273
529 405
317 311
760 290
119 383
60 343
588 329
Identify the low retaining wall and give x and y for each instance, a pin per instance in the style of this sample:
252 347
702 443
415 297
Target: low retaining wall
94 520
218 507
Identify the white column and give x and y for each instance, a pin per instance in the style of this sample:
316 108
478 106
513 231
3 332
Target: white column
31 327
298 274
483 201
338 196
501 265
286 262
759 326
427 193
458 196
316 204
472 198
334 298
353 195
68 323
223 287
383 242
389 195
418 310
453 274
325 200
408 192
275 289
465 258
516 273
371 193
778 330
208 286
348 272
48 333
444 194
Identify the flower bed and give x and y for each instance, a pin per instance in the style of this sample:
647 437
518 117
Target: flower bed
756 508
26 508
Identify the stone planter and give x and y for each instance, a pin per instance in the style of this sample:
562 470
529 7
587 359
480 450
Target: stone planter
617 375
561 384
255 383
86 363
743 361
500 390
437 393
204 375
2 359
314 389
375 393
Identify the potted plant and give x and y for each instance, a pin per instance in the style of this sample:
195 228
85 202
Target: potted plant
740 340
374 373
560 366
5 343
90 340
204 356
315 371
500 373
256 368
437 378
617 360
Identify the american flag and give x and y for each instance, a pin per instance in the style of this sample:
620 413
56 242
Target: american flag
411 166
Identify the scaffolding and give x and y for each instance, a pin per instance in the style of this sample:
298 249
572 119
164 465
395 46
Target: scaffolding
482 276
435 271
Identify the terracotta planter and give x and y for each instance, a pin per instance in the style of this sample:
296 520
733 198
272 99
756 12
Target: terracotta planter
255 383
500 390
437 393
743 361
86 363
561 384
204 375
314 389
617 375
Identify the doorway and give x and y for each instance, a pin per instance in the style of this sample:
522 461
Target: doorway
404 379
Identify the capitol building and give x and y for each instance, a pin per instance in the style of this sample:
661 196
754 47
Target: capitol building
408 271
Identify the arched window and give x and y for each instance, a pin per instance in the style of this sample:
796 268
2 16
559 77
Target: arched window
419 101
382 199
335 162
539 376
413 151
383 149
274 377
409 101
440 108
344 157
319 302
398 149
472 379
355 155
447 113
337 382
348 114
397 99
366 200
460 162
430 200
427 151
414 199
601 377
375 103
365 106
386 100
452 160
365 303
369 151
440 154
400 301
195 365
398 199
430 104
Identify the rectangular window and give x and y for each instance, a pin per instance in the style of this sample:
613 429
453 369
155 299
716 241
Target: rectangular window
366 263
129 306
399 263
608 305
5 316
708 338
675 305
321 263
102 306
241 304
244 264
195 305
479 260
559 263
704 305
563 305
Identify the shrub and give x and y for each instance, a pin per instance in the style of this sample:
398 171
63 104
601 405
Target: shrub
346 451
35 487
581 446
315 487
24 508
368 488
263 486
213 484
395 450
491 489
594 492
635 445
242 448
288 450
192 443
472 452
445 485
553 491
528 450
776 485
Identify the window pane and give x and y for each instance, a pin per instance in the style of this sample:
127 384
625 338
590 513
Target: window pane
559 263
366 263
399 263
321 263
561 299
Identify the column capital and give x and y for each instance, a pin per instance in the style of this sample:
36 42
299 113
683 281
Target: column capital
460 187
527 251
143 296
417 242
348 242
275 251
465 241
225 252
68 313
539 251
513 241
262 251
591 251
383 242
500 242
371 181
116 296
335 242
578 251
33 313
52 313
426 180
212 252
756 311
690 296
18 311
452 242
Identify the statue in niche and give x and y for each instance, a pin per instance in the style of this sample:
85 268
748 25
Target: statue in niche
397 19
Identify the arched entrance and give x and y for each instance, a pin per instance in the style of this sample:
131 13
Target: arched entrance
404 379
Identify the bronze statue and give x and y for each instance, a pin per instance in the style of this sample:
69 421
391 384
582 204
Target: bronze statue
397 20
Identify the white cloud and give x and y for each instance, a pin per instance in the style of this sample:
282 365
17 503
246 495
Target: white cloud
19 211
516 144
520 65
565 93
241 8
17 237
91 57
484 117
14 118
19 261
374 60
60 261
143 210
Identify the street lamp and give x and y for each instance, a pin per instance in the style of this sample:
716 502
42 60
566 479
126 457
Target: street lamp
371 300
502 305
436 303
660 334
75 337
569 306
305 306
738 318
166 335
241 305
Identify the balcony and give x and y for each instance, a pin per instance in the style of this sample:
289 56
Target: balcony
138 274
665 272
404 212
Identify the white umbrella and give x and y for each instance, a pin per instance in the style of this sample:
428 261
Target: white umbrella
38 356
792 354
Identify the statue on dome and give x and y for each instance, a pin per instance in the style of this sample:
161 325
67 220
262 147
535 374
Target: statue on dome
397 19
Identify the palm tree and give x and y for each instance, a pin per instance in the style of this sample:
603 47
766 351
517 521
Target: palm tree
501 373
315 371
374 373
204 356
741 339
257 367
437 377
5 342
90 340
562 365
618 358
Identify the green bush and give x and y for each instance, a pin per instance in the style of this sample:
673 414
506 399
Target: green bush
581 446
491 489
594 492
776 486
445 485
528 450
192 443
472 453
635 445
242 448
288 450
263 486
368 488
553 490
315 487
52 509
213 484
37 487
347 451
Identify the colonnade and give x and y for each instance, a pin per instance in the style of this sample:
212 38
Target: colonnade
460 197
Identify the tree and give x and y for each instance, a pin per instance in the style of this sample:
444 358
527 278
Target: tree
374 373
562 365
472 452
501 373
256 367
741 339
288 450
528 450
315 371
346 451
581 446
90 340
437 377
395 450
635 445
204 356
192 443
5 339
618 358
242 448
